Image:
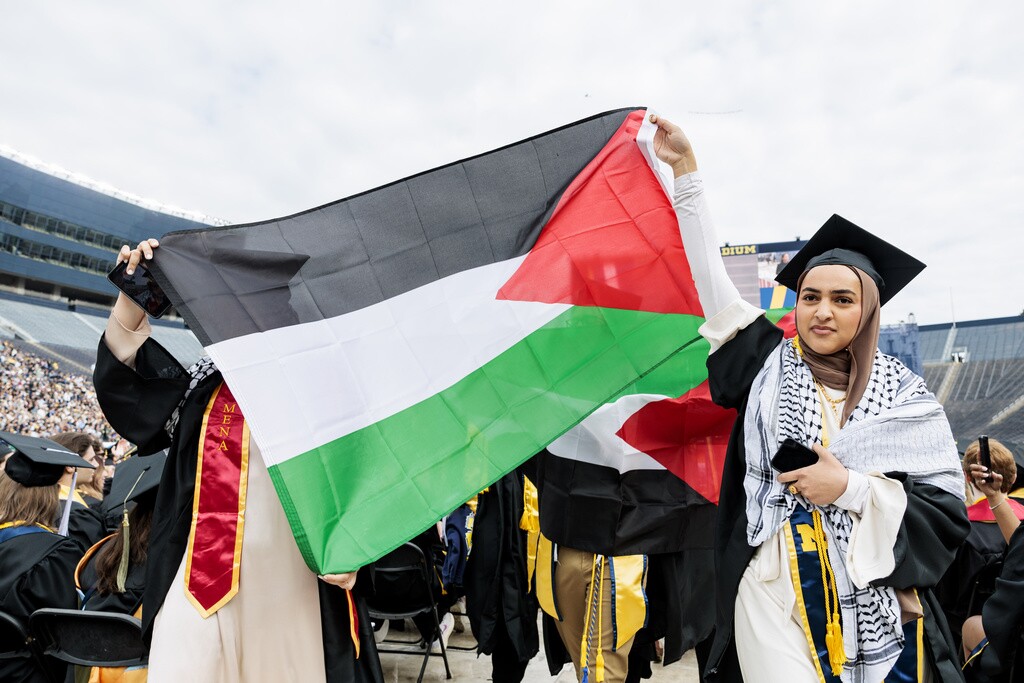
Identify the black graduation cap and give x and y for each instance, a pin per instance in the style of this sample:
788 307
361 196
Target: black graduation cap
38 462
841 242
134 477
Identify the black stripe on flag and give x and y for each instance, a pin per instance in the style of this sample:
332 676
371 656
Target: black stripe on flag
362 250
601 510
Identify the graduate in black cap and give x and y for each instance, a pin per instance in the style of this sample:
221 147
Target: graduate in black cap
85 524
37 565
110 579
825 554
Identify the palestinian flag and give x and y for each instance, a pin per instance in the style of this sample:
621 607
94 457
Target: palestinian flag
399 350
640 475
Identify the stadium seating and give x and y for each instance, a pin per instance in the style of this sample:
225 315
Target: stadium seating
988 381
73 335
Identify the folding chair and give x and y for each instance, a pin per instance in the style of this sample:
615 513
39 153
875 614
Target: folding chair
14 640
409 563
89 638
16 643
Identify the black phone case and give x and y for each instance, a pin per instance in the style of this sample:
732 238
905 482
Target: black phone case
984 453
141 288
792 455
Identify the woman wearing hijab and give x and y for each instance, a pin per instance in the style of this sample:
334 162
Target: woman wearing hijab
823 565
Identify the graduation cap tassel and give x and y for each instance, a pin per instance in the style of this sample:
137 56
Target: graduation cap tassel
65 516
122 568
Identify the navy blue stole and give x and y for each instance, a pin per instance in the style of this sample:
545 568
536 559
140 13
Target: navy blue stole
810 593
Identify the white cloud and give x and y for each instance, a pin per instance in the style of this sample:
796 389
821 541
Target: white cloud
902 117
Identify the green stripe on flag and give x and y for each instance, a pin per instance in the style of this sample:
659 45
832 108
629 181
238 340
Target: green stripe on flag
387 482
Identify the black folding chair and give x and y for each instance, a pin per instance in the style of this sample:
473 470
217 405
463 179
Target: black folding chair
406 566
14 640
16 643
89 638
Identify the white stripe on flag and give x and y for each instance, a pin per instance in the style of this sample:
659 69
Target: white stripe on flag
595 441
309 384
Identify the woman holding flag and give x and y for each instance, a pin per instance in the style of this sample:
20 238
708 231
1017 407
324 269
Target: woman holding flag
841 501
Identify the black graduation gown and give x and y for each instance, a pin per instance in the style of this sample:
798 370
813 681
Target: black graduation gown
495 579
137 402
934 525
680 580
122 603
1003 614
36 570
971 578
85 525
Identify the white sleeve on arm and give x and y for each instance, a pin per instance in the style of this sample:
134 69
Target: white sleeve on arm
724 309
876 527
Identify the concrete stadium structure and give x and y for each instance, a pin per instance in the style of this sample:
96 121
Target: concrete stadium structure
58 236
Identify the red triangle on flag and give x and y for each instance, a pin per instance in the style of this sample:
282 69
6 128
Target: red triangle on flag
688 435
613 240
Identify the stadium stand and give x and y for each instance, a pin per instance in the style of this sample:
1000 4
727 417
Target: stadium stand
58 236
976 368
71 336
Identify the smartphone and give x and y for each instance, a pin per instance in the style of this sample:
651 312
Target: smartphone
141 288
984 456
792 455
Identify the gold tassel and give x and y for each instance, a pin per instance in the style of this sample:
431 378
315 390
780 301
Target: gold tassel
599 668
833 628
834 645
122 568
530 521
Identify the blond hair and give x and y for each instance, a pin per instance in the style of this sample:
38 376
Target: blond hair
29 504
1002 462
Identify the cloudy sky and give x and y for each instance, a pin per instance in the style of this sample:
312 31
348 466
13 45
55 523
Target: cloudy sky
907 118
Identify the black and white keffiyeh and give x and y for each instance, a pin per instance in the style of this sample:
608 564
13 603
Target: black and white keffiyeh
897 425
199 371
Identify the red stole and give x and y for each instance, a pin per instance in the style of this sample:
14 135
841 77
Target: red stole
214 551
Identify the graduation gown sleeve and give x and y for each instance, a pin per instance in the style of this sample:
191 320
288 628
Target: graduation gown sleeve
934 526
1003 614
137 401
85 526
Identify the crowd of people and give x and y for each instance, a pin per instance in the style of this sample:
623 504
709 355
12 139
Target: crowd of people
38 397
852 542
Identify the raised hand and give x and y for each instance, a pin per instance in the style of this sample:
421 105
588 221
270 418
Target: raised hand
672 146
136 255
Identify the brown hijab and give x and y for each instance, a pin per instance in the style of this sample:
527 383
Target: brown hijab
850 368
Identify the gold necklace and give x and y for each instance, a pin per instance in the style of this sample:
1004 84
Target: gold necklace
821 388
832 403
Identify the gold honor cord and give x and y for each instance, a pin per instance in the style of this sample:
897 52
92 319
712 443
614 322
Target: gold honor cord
833 625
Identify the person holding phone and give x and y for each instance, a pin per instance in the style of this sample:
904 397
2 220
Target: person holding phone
994 481
274 620
822 571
